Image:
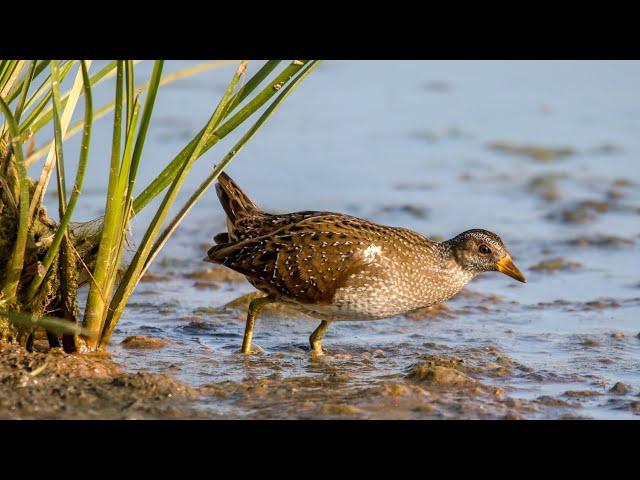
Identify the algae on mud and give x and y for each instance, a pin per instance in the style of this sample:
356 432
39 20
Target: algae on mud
57 296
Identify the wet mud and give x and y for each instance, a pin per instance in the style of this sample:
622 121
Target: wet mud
55 385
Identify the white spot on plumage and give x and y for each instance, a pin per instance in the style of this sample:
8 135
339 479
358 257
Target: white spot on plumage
371 252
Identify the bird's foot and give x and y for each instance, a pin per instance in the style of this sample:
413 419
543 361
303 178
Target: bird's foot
316 349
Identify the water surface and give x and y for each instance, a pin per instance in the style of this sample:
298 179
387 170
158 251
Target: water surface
409 143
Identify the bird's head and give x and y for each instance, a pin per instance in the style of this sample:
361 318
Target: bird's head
480 251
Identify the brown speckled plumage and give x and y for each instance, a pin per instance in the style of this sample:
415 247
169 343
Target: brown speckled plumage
338 267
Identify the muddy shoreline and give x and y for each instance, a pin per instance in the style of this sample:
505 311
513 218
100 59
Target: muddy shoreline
427 380
56 385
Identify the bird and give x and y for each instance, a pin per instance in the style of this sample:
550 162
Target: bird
337 267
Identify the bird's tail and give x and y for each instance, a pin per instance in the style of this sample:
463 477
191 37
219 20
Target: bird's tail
235 202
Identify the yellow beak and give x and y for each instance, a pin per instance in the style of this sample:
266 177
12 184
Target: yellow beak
506 266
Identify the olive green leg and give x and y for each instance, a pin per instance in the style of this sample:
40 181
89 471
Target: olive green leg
315 340
254 309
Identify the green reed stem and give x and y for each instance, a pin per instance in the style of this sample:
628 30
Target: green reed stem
57 134
108 107
15 265
135 270
169 172
25 84
97 299
225 161
77 187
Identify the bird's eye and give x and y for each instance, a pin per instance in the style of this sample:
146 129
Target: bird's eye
484 249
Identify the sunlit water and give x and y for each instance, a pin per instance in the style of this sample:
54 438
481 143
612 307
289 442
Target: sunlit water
369 138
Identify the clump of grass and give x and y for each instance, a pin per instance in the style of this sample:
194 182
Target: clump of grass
43 262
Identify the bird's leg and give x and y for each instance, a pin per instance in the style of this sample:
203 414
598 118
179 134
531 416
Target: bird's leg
254 309
315 340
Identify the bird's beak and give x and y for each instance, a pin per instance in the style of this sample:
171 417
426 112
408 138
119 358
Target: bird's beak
506 266
207 259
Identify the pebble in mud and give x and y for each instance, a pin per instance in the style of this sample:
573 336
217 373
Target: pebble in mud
599 304
212 278
513 416
152 277
588 341
339 410
416 211
207 284
215 274
535 152
425 408
439 311
620 388
545 186
143 342
603 241
581 393
555 264
550 401
438 375
581 212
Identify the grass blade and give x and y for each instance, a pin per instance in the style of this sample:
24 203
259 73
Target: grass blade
17 88
14 267
135 269
254 81
77 187
11 75
45 175
150 101
124 197
108 107
165 177
51 324
98 295
129 76
57 129
44 89
226 160
25 84
45 117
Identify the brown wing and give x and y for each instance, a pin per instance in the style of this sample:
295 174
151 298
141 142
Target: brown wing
306 261
265 223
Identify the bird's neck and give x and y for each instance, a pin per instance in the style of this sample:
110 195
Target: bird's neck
448 252
442 276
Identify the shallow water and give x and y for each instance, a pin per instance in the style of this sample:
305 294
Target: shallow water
408 143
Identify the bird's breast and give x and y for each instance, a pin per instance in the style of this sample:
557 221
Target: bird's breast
395 282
